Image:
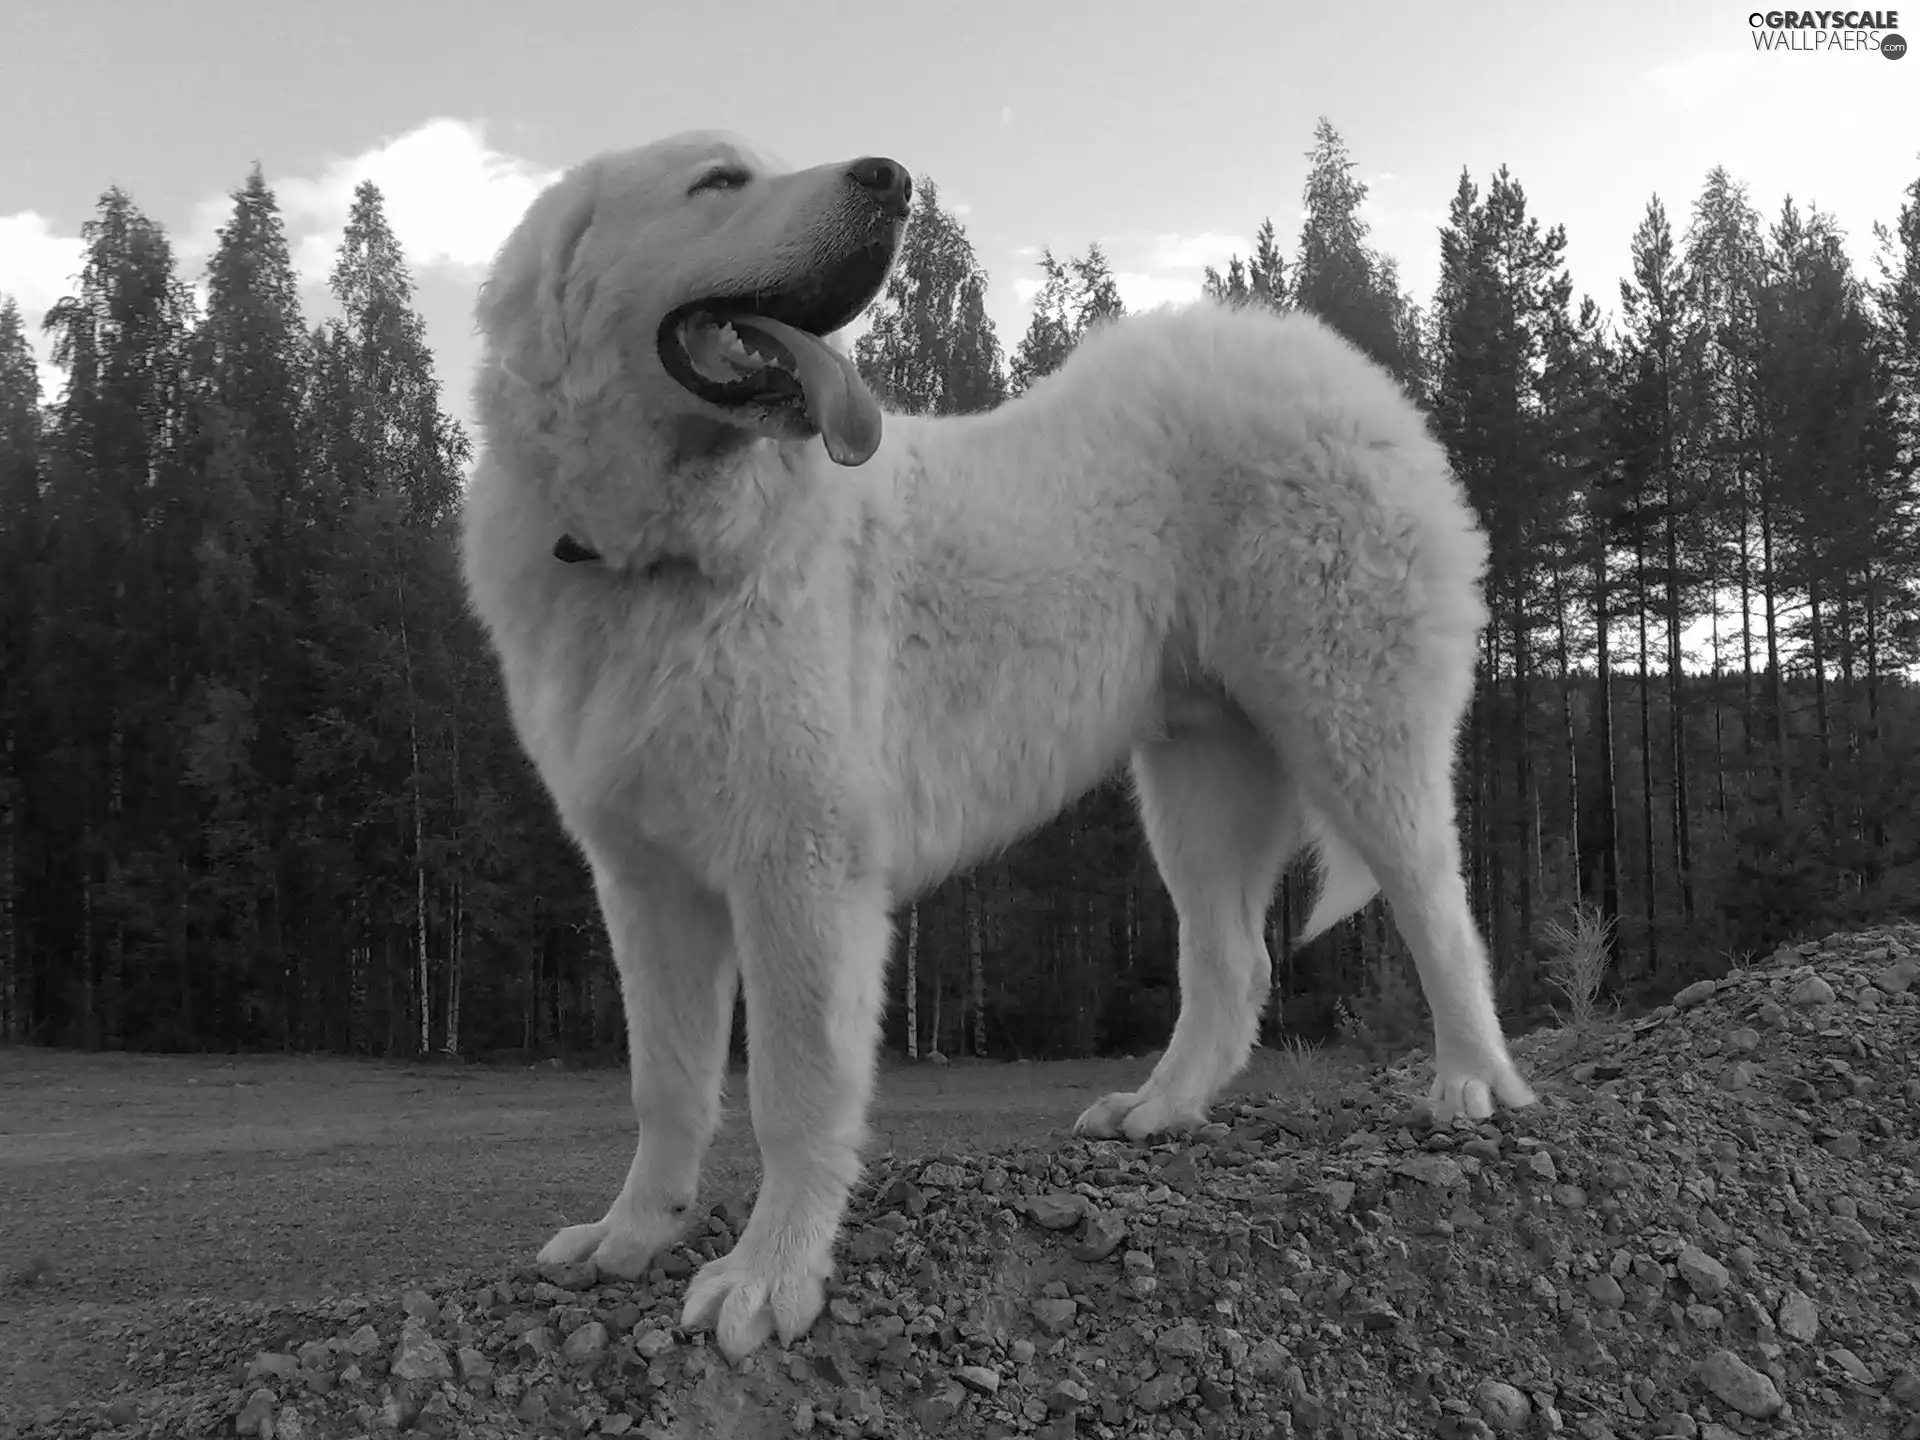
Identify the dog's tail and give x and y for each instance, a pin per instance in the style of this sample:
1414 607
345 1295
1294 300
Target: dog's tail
1345 881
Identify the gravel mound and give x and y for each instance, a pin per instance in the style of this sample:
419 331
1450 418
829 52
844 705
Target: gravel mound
1706 1228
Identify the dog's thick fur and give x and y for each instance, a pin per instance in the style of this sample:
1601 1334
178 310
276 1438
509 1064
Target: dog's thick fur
788 694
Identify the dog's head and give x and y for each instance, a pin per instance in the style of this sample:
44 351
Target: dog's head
687 290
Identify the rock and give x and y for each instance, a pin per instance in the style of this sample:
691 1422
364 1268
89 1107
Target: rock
270 1364
1504 1408
474 1366
652 1344
1183 1342
979 1379
1158 1393
363 1342
256 1416
1897 978
1055 1316
1268 1360
1810 992
1693 994
587 1345
1797 1317
1736 1383
571 1274
1705 1276
419 1356
1061 1211
418 1305
1106 1232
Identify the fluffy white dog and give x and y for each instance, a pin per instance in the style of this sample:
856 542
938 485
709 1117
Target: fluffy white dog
784 661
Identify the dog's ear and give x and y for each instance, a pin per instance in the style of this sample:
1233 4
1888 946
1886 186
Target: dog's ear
529 308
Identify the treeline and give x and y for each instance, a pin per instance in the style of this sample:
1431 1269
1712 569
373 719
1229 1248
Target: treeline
259 790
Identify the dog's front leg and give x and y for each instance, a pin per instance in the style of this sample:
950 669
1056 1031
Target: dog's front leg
673 946
813 937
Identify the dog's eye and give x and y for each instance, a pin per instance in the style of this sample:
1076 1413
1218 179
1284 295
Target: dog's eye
726 177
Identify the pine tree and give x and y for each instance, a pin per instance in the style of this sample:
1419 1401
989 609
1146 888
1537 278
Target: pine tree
1337 275
20 580
932 350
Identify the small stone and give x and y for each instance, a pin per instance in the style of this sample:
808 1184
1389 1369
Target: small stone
1055 1316
1904 1388
269 1363
1504 1408
419 1356
1339 1195
363 1342
979 1379
1105 1233
1066 1397
1158 1393
652 1344
1605 1292
474 1366
1738 1384
1268 1360
1694 994
1743 1039
1897 978
1797 1317
1060 1211
1183 1342
1855 1367
1810 992
587 1344
256 1417
419 1305
571 1274
1705 1276
1541 1165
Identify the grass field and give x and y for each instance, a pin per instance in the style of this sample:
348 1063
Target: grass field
127 1179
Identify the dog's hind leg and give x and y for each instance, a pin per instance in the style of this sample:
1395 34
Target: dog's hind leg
673 947
1222 821
814 937
1383 779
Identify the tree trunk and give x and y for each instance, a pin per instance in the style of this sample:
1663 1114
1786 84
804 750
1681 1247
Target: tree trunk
1649 873
913 981
1676 708
1609 857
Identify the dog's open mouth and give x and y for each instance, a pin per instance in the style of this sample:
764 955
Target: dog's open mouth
764 352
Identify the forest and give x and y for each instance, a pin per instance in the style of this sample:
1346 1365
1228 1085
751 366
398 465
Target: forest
259 790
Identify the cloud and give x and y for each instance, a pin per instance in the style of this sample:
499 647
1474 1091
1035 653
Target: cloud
1699 79
1190 252
1006 115
450 197
1024 290
37 267
1142 291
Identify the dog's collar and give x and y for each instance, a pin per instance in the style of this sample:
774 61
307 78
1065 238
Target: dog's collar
569 551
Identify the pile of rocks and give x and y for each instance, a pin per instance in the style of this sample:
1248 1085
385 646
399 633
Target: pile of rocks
1706 1229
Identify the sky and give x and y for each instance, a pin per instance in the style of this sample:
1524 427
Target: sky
1165 133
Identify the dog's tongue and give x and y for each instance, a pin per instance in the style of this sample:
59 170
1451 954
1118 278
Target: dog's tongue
837 398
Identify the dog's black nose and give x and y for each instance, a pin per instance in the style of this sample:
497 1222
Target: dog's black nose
886 180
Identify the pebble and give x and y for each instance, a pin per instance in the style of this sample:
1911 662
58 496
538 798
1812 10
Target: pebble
1736 1383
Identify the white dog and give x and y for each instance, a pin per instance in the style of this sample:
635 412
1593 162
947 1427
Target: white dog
773 695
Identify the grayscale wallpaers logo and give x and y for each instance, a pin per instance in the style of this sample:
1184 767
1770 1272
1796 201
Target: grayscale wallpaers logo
1832 31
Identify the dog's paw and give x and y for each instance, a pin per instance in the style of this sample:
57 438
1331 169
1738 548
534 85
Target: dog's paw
1139 1115
1471 1087
749 1295
621 1250
573 1244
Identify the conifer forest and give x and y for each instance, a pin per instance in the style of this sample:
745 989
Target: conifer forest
259 790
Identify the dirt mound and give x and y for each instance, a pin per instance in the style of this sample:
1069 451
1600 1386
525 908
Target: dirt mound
1706 1228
